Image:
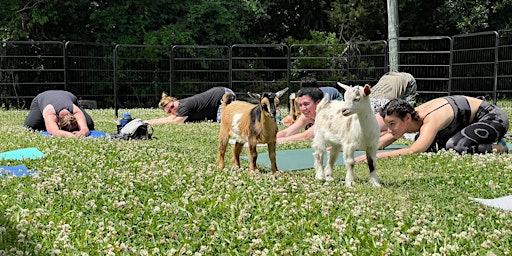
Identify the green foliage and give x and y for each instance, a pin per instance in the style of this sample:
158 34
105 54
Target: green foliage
226 22
356 20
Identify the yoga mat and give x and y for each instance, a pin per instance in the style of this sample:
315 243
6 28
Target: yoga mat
504 203
93 134
300 159
16 171
20 154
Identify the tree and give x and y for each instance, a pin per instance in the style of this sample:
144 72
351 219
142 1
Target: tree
469 16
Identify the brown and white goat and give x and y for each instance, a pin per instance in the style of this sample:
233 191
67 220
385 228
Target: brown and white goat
251 123
347 125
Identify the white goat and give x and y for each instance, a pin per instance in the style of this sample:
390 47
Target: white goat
252 123
347 125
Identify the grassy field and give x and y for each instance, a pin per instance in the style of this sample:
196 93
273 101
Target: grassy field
166 197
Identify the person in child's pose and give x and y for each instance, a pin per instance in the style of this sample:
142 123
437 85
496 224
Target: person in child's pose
461 123
59 113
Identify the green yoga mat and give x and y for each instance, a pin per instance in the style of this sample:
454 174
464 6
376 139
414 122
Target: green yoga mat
301 159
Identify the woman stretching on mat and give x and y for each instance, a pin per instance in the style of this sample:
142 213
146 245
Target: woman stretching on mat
59 113
204 106
309 97
464 124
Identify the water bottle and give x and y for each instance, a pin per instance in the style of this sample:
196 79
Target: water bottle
126 119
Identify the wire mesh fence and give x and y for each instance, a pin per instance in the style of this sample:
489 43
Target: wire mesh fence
126 76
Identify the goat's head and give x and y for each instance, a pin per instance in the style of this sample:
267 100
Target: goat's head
355 97
268 101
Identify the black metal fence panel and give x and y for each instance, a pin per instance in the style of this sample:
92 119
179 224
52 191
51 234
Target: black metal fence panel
90 72
474 64
197 68
259 67
28 68
128 76
366 61
504 76
428 60
325 62
141 74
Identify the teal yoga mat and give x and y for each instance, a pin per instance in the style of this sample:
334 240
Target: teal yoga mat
20 154
301 159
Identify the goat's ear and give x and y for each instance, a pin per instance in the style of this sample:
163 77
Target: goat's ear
254 95
367 90
344 86
281 92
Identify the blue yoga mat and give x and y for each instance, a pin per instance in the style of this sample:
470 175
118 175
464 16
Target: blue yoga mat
16 171
93 134
20 154
301 159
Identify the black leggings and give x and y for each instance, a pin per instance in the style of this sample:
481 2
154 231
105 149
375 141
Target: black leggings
489 126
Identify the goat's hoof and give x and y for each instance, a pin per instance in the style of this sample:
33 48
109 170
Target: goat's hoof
375 184
329 179
319 177
348 184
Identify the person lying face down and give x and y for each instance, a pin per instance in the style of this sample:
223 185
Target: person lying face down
204 106
59 113
460 123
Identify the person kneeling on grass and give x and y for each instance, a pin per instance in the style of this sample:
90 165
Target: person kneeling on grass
204 106
59 113
461 123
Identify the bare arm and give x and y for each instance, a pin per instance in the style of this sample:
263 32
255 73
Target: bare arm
171 119
428 132
291 133
83 129
51 123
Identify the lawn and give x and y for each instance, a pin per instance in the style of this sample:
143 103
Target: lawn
166 197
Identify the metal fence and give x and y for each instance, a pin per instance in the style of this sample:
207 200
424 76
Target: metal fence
127 76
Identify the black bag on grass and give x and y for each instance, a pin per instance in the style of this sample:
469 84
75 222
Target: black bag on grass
135 130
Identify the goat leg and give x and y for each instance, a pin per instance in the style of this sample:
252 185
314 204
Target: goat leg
253 155
319 161
371 157
272 154
223 143
348 155
333 156
237 149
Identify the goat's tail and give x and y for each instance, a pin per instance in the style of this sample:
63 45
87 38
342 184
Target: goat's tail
226 99
323 102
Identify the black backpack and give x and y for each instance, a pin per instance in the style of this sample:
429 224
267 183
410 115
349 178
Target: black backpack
135 130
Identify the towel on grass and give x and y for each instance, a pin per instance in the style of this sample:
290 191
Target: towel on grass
504 203
92 134
301 159
16 171
21 154
232 142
